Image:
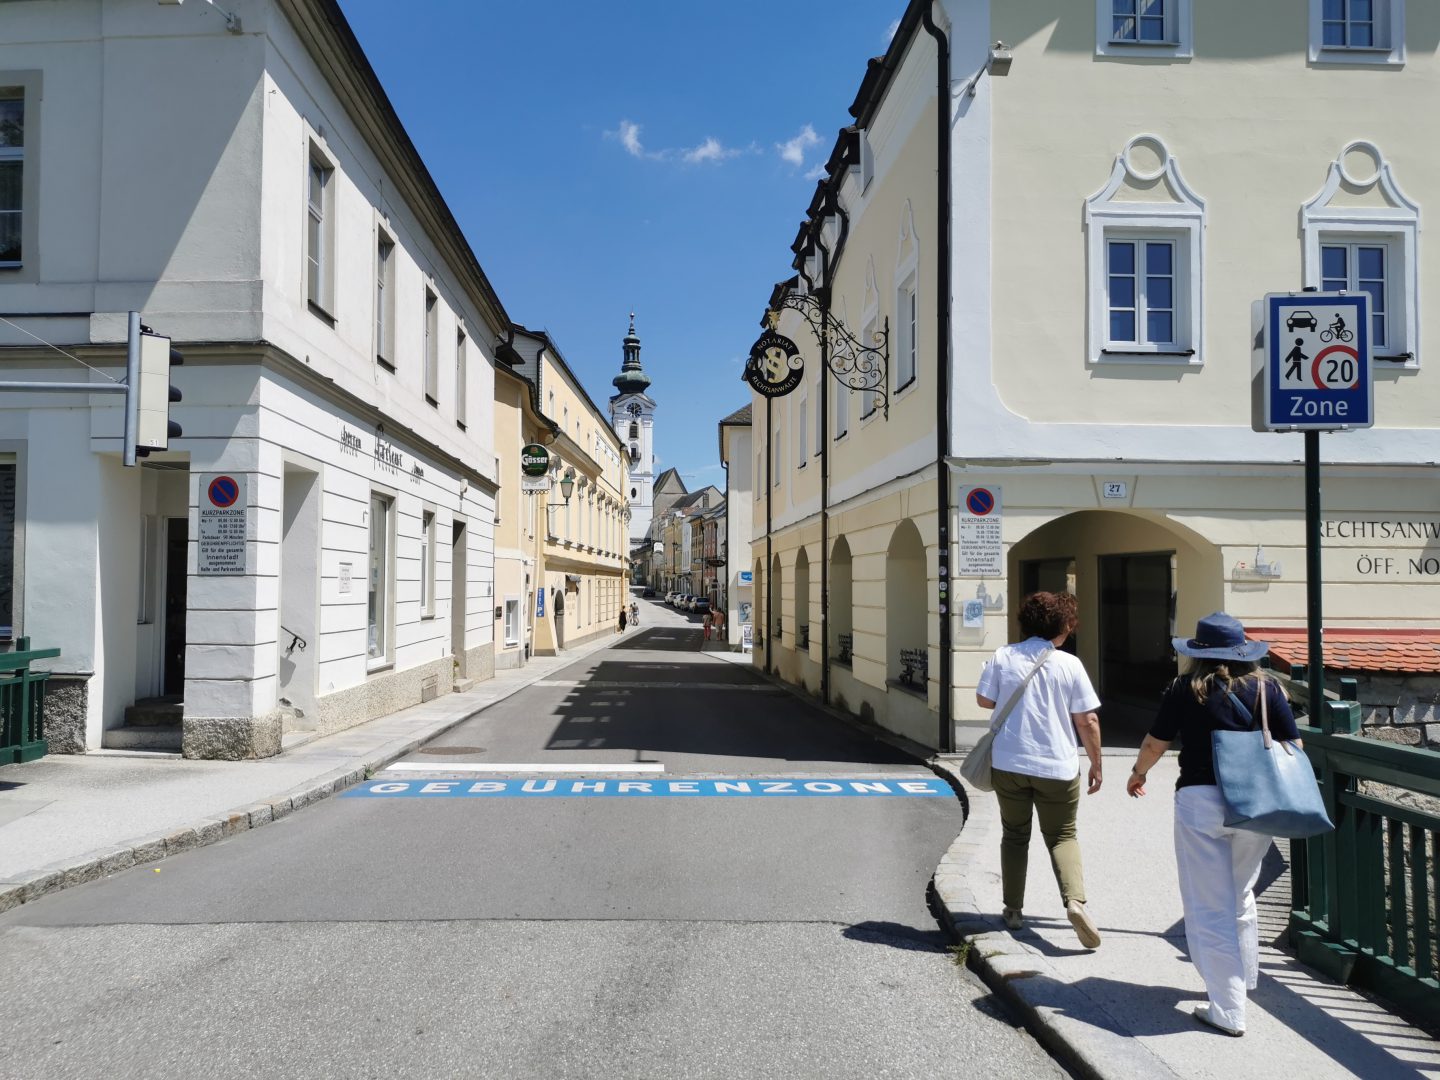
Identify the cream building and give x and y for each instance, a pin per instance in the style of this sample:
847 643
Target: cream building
562 564
250 191
1069 326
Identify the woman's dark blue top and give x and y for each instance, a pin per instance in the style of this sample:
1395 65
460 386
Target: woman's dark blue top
1192 721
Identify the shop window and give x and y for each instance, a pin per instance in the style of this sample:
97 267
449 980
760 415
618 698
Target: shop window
512 621
381 591
427 564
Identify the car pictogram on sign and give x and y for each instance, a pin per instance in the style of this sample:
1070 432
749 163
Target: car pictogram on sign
1301 318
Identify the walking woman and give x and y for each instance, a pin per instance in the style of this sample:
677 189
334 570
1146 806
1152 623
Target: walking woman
1218 866
1036 766
621 628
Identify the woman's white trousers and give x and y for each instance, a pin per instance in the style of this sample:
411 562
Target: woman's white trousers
1218 868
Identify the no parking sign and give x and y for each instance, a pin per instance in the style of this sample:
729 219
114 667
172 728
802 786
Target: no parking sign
979 531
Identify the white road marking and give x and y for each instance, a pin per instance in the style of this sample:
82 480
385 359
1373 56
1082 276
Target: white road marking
533 767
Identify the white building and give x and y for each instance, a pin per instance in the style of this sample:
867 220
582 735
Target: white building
737 454
250 191
1063 235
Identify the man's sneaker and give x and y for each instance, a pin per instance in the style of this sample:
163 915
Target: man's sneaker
1085 928
1013 919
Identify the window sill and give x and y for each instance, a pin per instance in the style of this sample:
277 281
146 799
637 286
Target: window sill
903 387
1167 357
320 313
386 364
427 616
1131 43
432 402
921 692
374 667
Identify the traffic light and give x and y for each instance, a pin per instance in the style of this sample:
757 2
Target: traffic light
150 396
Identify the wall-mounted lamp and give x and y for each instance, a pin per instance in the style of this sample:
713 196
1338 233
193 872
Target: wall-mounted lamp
232 22
567 484
1000 58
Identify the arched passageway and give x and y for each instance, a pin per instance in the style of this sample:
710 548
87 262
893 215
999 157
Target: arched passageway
905 609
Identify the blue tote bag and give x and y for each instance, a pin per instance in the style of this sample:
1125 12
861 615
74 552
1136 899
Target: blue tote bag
1267 784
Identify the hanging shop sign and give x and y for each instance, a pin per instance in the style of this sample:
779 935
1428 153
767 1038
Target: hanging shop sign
775 367
534 459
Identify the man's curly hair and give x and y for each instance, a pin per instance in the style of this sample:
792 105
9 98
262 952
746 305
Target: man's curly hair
1048 614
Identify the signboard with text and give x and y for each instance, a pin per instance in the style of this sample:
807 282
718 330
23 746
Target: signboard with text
220 545
979 533
1317 362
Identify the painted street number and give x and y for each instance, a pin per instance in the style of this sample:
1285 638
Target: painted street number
918 787
1317 362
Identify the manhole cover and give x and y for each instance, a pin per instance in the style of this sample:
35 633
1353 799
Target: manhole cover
451 750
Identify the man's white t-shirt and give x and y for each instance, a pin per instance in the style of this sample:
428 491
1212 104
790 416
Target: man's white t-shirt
1038 737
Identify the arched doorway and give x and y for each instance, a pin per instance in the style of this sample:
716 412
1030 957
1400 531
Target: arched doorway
802 600
776 625
1137 579
905 608
841 626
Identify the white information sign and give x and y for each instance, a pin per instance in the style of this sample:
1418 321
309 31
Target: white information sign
747 637
345 571
535 483
982 552
220 547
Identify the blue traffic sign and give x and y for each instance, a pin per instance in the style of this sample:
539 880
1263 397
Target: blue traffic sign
1317 362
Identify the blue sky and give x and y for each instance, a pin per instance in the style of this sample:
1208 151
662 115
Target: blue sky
632 154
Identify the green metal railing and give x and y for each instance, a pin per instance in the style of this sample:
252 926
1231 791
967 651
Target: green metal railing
22 703
1364 896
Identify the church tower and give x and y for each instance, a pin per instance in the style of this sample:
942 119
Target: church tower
632 414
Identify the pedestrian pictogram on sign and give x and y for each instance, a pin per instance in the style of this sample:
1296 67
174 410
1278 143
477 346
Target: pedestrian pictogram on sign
1317 371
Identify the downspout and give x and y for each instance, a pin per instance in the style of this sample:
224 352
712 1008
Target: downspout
829 263
769 556
942 379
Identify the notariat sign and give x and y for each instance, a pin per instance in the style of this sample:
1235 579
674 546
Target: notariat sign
534 460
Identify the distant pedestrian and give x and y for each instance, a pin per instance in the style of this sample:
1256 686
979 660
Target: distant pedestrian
1218 866
1035 753
634 614
708 621
621 628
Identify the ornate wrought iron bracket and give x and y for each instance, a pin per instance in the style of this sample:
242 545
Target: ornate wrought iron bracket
853 363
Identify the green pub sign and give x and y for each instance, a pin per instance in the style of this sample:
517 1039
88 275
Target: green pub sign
534 460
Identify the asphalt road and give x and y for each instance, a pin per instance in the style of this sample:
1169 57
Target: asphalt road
502 936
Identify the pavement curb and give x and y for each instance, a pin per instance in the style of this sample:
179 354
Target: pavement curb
103 862
1085 1037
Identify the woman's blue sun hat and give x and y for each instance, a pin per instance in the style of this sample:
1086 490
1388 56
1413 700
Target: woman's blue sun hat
1220 637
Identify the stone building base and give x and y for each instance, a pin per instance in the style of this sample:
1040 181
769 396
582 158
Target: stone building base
67 699
231 738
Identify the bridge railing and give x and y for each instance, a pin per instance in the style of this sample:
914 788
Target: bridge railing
1364 896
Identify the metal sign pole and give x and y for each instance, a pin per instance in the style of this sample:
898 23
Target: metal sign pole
1315 654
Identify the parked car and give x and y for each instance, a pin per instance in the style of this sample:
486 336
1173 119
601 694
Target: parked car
701 606
648 594
681 601
669 596
685 601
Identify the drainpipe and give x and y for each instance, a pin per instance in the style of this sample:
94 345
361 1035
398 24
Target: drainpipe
942 379
769 495
828 263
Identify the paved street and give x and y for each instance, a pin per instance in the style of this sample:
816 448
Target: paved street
392 933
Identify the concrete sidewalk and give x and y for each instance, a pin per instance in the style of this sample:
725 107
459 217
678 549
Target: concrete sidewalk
1124 1009
68 819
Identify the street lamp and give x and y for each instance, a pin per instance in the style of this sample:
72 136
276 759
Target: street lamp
567 484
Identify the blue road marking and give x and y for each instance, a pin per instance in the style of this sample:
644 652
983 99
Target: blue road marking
612 788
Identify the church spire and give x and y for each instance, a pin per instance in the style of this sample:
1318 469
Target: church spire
632 378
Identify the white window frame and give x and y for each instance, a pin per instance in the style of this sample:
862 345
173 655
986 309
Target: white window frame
802 433
512 622
320 231
843 396
818 397
1140 239
1179 33
1109 216
385 253
462 380
1389 47
907 318
432 346
27 83
427 563
1394 223
380 625
869 399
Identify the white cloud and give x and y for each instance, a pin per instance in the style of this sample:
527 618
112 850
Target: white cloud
629 136
890 30
709 150
817 173
793 150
